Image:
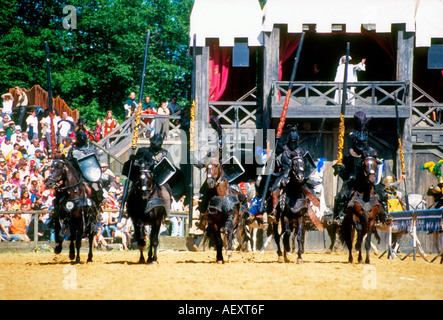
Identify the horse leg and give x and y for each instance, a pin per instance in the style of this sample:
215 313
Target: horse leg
286 238
71 245
214 232
367 246
277 242
370 230
153 243
254 239
58 237
229 234
91 239
139 231
346 231
78 243
300 239
332 232
358 245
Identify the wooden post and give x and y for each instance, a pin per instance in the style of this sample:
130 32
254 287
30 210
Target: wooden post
271 55
36 215
405 62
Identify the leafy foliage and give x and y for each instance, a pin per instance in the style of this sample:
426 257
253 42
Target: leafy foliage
95 66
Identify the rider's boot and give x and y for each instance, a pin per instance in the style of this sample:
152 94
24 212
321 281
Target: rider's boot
338 212
167 200
388 217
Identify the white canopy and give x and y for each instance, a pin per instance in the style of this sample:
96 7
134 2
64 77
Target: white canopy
226 20
230 19
353 14
428 22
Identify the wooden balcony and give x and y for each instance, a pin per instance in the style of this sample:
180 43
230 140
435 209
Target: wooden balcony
316 99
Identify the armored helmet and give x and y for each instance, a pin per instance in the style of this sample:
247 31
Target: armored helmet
156 142
81 138
293 138
389 179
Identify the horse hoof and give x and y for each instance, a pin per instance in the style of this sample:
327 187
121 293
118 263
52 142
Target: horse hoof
141 261
300 261
220 262
57 250
280 259
153 262
71 256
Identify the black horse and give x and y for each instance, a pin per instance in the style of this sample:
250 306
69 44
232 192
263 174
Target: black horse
291 206
73 207
145 206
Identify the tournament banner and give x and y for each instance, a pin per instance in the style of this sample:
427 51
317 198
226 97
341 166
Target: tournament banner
426 220
401 221
429 220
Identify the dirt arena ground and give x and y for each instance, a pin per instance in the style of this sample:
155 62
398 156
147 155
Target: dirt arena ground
195 275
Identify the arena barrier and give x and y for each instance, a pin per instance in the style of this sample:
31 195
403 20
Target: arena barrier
410 222
183 215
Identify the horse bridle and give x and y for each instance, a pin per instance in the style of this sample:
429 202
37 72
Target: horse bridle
57 184
211 176
144 174
372 165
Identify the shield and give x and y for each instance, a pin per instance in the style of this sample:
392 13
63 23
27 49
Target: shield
90 167
233 168
163 171
309 164
177 184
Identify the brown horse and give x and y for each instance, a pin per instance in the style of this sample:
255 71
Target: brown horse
223 209
73 207
361 212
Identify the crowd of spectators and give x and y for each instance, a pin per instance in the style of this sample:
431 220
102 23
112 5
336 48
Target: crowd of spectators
25 161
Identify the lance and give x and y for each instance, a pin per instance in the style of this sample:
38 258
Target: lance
191 142
400 148
136 128
341 128
281 124
50 101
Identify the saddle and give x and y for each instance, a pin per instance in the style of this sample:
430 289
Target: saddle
224 204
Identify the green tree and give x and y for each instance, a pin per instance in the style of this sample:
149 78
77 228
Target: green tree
96 65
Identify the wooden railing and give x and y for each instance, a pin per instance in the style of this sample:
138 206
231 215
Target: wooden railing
37 96
323 93
426 111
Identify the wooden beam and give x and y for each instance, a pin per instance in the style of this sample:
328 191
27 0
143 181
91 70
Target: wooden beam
333 112
271 54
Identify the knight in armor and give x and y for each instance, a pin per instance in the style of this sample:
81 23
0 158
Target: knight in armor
352 163
436 192
154 154
290 150
90 169
393 201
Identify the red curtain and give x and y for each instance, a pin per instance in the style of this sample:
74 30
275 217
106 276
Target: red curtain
384 40
219 69
289 43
